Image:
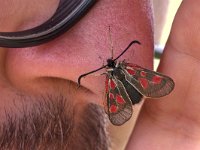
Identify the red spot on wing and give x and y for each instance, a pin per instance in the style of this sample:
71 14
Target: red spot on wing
119 99
143 82
111 96
157 79
113 109
143 73
112 84
131 72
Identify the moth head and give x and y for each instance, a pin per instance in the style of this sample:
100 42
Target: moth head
111 63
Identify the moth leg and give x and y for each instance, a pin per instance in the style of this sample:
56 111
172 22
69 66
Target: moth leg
124 61
109 70
117 64
99 74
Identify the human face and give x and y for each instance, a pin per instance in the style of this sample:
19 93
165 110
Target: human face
37 82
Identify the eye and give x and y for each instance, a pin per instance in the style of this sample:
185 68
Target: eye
66 15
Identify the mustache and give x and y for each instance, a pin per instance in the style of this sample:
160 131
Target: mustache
54 123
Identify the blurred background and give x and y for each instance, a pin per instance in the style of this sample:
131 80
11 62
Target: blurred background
164 12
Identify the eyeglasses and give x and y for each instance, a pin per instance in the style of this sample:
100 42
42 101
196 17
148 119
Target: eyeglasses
66 15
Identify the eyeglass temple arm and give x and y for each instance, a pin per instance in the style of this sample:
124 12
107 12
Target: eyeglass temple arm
66 15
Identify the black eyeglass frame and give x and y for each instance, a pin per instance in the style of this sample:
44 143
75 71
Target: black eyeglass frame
66 15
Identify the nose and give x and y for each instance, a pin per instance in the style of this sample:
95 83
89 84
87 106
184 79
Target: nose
65 58
79 50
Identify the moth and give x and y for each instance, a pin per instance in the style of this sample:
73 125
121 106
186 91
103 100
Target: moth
126 84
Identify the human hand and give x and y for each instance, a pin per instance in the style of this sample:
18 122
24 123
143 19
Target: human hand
173 122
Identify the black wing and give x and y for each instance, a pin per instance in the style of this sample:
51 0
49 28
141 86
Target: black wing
119 105
149 83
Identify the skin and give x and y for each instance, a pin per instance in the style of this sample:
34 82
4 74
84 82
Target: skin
174 121
38 70
169 123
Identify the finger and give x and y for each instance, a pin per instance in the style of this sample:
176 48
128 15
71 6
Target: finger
174 115
181 61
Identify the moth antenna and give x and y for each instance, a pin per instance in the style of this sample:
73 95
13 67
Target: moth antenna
133 42
111 42
85 74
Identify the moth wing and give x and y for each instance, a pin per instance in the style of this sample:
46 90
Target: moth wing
119 106
149 83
